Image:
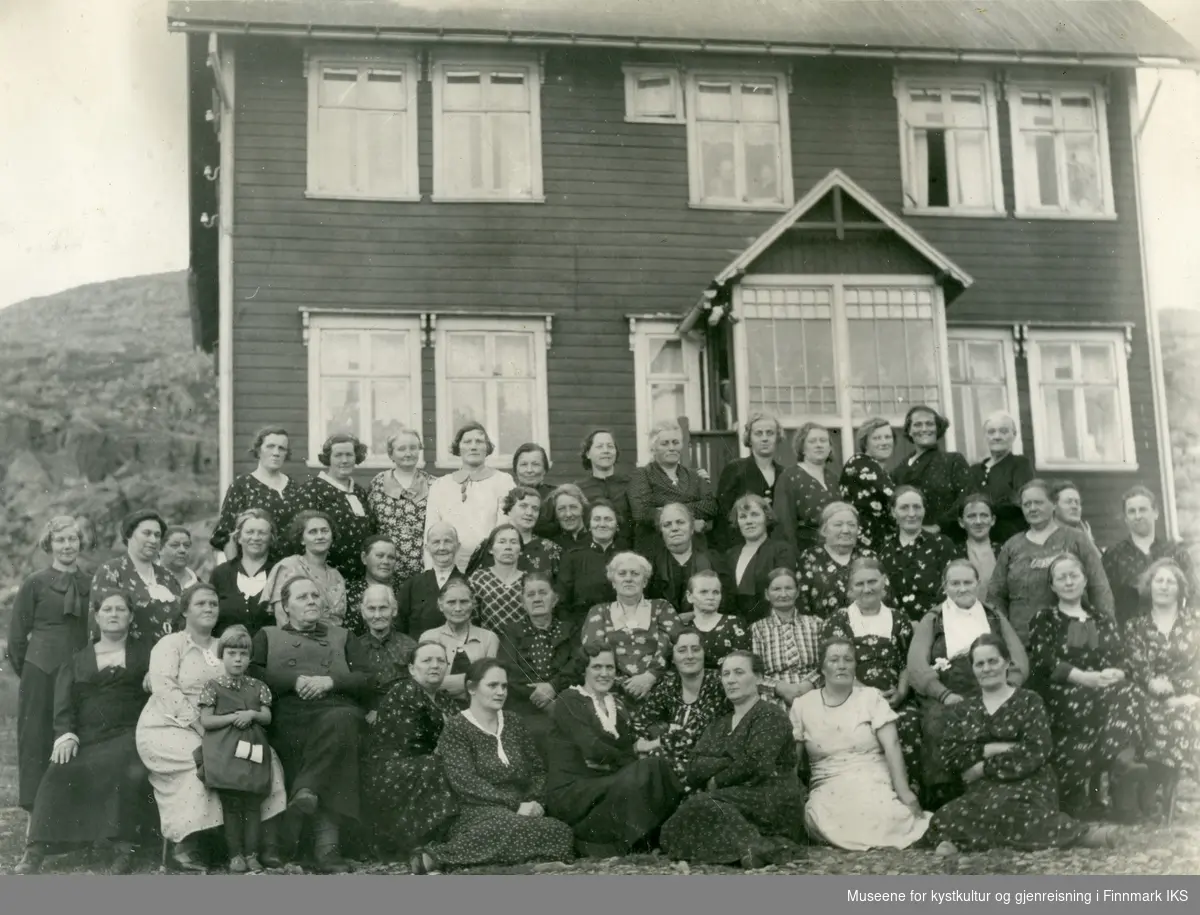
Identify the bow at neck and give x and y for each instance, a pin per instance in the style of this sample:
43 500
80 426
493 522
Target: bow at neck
318 633
69 584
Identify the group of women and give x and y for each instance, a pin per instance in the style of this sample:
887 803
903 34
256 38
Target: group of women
484 669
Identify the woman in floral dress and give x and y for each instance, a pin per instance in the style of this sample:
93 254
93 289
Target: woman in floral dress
805 488
521 508
153 591
942 477
266 487
720 633
498 585
312 534
915 558
823 572
334 493
866 484
379 564
397 499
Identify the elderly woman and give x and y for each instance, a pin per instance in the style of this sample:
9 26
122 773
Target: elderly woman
1019 587
1001 474
469 499
786 641
583 574
981 547
665 481
1000 742
418 596
498 778
49 623
748 804
497 586
940 671
682 704
859 796
380 652
1127 561
679 558
266 487
176 554
464 643
639 629
746 565
1068 507
1164 662
823 572
521 508
806 488
313 535
720 632
379 556
541 655
753 475
569 506
940 476
334 493
95 789
317 715
1080 666
152 590
409 801
613 799
914 557
397 499
599 456
241 582
169 733
866 484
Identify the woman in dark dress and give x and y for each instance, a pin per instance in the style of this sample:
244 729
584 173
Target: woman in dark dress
720 633
1080 667
153 592
569 506
241 582
382 652
942 477
749 805
746 565
805 488
334 493
409 801
612 799
583 574
867 485
914 557
379 558
599 456
530 466
266 487
679 558
95 790
1001 474
49 623
823 572
1000 743
753 475
665 481
520 508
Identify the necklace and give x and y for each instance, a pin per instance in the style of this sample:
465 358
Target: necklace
825 701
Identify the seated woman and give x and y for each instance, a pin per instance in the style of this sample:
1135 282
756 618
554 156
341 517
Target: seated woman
748 805
613 800
379 559
317 717
418 596
522 508
498 778
1080 667
914 557
981 546
94 791
464 643
678 558
682 704
583 573
311 536
540 653
409 801
1164 661
169 733
881 639
747 564
640 630
497 586
720 633
786 642
381 652
241 582
859 796
823 572
176 555
1000 742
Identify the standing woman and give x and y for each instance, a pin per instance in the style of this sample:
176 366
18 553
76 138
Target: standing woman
266 487
49 623
914 557
786 641
530 466
1001 474
569 506
379 557
498 586
665 481
599 458
1068 507
469 499
175 553
747 564
941 476
823 572
240 582
1019 586
867 485
981 547
753 475
312 534
680 556
344 503
583 574
152 590
398 497
806 488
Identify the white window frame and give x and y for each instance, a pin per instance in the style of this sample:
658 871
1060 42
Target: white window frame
1005 339
635 72
844 421
318 324
1116 338
541 406
946 85
644 330
695 182
532 69
1025 207
314 65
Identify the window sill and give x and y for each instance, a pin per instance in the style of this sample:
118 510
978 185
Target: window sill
372 464
956 214
1069 467
346 195
1067 217
650 119
743 207
440 199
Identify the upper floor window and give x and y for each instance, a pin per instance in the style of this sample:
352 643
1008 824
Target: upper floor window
653 95
950 147
739 150
1060 151
362 128
487 131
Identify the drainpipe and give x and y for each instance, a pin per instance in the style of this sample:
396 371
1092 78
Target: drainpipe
223 73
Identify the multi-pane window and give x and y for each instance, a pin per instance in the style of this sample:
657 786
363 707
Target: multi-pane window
789 348
666 378
982 382
653 95
738 137
893 347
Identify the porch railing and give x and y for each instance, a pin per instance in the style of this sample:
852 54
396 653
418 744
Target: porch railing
709 449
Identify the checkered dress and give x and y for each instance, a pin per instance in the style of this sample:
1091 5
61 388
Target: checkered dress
498 605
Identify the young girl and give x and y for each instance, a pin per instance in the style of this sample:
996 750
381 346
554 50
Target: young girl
720 633
234 710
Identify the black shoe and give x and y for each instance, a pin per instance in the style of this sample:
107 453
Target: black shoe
304 802
31 861
270 857
330 863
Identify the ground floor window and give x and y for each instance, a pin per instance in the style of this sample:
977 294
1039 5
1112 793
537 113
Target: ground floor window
666 378
982 381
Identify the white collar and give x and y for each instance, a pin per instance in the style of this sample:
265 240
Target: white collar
605 709
499 731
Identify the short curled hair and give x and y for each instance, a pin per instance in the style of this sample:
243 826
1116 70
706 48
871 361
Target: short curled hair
600 646
662 510
57 525
866 430
529 448
134 520
300 522
1137 491
480 669
826 644
254 514
516 494
664 425
189 594
261 436
456 444
761 416
941 424
537 575
342 438
800 439
589 509
235 636
628 557
590 440
1144 580
568 489
744 502
989 640
757 667
688 630
390 443
174 529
